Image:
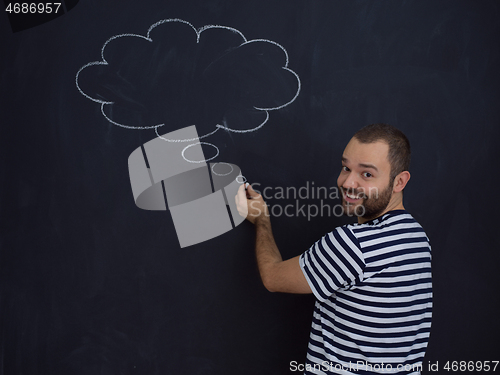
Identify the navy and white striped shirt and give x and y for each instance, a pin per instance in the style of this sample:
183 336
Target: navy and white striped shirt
373 287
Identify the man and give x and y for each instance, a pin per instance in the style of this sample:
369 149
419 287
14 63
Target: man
372 279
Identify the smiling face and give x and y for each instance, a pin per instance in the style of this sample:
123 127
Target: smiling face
367 190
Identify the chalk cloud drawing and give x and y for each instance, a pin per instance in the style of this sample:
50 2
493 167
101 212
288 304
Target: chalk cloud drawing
184 81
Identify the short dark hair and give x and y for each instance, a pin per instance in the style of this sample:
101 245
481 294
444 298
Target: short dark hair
399 146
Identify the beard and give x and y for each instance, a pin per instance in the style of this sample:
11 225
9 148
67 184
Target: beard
371 206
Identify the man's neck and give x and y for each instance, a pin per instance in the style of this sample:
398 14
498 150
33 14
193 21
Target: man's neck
396 204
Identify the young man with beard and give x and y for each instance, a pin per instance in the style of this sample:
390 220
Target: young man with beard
372 279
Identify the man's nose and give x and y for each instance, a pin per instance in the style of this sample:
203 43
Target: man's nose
351 182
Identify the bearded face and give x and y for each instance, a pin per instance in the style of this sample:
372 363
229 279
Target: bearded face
366 204
365 180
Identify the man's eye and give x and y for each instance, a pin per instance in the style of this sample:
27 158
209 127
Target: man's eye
367 174
345 169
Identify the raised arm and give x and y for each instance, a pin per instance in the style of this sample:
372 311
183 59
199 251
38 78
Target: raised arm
277 275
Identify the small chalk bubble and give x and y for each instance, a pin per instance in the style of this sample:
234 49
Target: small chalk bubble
222 174
241 179
200 161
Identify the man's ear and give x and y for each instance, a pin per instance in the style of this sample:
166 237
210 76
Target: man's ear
400 181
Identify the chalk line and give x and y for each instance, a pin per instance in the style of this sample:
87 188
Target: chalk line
198 35
199 161
222 174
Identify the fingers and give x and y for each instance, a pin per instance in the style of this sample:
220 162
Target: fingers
251 192
246 191
241 192
241 201
250 204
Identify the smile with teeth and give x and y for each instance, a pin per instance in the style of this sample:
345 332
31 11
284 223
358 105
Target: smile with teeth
352 197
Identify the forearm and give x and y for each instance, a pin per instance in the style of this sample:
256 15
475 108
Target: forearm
276 274
266 252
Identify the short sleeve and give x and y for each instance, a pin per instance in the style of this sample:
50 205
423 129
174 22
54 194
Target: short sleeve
333 263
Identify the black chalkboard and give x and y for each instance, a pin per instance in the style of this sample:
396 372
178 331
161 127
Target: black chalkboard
92 284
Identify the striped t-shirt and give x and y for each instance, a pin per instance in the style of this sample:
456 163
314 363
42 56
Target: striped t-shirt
373 287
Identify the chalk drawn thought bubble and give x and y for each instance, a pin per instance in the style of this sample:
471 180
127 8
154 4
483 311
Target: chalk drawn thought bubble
177 75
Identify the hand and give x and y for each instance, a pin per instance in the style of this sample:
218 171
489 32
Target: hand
251 205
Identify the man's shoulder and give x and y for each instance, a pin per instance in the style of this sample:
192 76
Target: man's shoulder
397 221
